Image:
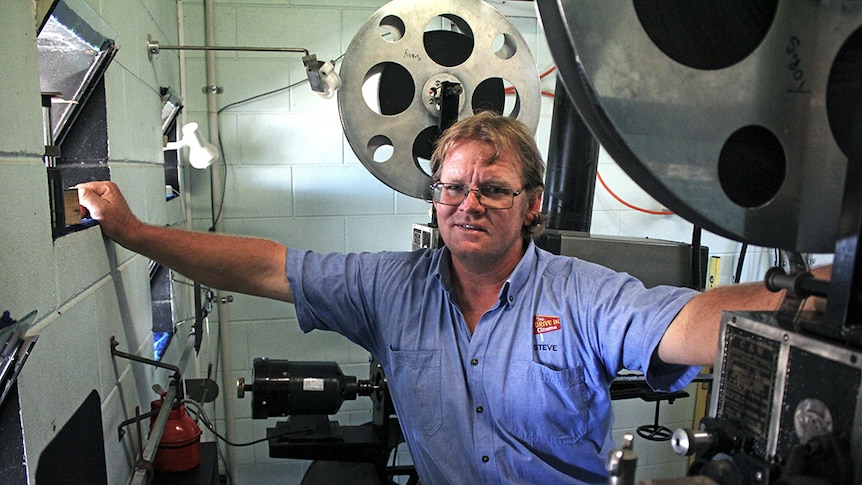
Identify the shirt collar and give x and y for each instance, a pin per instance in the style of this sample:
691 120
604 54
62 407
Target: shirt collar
522 273
443 270
514 283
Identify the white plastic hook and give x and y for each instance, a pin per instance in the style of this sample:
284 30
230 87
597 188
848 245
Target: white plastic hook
202 154
331 80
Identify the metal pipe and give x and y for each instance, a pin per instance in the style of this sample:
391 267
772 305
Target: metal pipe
153 48
137 358
149 452
181 37
216 182
573 154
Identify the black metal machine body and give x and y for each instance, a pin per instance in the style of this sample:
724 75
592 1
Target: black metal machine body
788 405
308 393
786 409
745 117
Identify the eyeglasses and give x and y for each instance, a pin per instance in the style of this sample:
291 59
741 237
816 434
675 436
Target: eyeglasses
490 196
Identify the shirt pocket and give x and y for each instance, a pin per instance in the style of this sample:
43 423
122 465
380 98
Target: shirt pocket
546 405
417 386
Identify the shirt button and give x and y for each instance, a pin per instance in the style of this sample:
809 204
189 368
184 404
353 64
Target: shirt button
511 298
474 361
485 459
480 409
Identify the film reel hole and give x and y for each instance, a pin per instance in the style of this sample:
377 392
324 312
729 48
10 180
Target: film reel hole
424 164
448 40
498 95
706 35
380 148
752 166
391 28
844 95
504 46
388 88
512 101
489 95
423 147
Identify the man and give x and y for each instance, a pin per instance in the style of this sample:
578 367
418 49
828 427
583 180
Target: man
499 355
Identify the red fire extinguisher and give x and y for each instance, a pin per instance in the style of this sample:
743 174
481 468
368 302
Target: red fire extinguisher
180 447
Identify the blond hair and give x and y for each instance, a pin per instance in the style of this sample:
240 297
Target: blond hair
502 133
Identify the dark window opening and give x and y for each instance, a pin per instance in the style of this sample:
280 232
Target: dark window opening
75 48
170 111
83 157
84 150
161 292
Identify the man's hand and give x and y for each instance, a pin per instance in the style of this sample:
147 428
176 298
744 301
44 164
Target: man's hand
692 337
107 205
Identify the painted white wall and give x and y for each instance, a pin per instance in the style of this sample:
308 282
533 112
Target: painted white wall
290 176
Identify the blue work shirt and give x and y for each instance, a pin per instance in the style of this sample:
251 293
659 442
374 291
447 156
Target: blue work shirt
525 398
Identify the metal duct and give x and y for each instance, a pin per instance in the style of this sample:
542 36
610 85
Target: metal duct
570 179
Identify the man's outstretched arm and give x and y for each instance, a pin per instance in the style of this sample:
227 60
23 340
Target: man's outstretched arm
692 337
243 264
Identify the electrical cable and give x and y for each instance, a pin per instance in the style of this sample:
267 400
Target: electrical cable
742 251
511 89
630 206
216 213
201 414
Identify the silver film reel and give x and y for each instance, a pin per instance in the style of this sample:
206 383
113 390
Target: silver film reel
394 69
738 115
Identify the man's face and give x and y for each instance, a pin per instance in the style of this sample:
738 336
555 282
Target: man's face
471 232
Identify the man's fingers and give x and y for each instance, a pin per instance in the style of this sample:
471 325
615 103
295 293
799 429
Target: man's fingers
91 196
97 188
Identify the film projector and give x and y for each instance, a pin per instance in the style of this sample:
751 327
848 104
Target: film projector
742 116
745 117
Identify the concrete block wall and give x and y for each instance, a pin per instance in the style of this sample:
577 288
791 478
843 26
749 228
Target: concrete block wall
84 288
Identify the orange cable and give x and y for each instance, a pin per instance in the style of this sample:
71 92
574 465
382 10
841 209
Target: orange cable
630 206
550 70
511 89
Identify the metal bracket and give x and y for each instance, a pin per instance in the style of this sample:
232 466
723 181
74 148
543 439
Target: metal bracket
138 358
177 376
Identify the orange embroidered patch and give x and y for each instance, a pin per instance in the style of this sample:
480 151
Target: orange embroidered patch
543 324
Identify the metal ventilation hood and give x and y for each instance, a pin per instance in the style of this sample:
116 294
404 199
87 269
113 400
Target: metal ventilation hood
75 48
